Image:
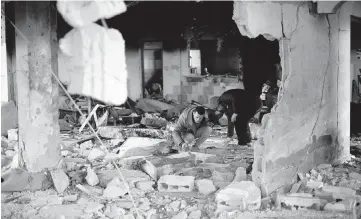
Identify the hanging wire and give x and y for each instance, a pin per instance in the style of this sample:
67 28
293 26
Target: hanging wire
81 113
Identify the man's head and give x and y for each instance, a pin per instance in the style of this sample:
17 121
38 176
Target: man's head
198 114
154 87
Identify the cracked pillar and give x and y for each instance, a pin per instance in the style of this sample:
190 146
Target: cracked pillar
37 90
304 128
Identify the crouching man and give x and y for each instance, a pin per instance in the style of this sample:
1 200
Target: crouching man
191 129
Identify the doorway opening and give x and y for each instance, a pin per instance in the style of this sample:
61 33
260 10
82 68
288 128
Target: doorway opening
355 116
153 69
262 71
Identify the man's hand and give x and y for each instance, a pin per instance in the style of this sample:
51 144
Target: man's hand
184 147
234 117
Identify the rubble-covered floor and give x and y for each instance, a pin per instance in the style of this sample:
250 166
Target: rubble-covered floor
219 160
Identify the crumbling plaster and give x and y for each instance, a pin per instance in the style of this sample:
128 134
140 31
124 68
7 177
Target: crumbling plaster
310 123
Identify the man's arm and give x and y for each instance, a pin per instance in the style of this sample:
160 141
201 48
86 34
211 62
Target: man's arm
180 125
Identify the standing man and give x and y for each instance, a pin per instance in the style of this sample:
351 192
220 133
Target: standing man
239 106
191 125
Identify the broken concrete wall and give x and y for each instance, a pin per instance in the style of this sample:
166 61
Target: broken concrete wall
305 127
37 90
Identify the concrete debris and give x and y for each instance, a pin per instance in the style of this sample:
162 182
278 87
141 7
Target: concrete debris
338 190
335 207
115 142
146 186
303 201
171 183
137 146
80 14
240 175
220 176
314 185
152 106
295 187
91 177
9 117
195 215
175 206
150 169
60 180
115 188
153 121
13 135
70 198
205 186
94 44
324 166
110 157
355 176
181 215
239 195
93 207
131 177
114 132
96 153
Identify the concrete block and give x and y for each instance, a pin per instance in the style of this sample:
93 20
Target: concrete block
240 195
115 188
13 135
205 186
16 180
131 176
195 214
114 132
91 177
181 215
339 190
335 207
314 185
171 183
9 117
60 180
302 201
295 187
240 175
96 153
222 176
138 146
80 14
145 186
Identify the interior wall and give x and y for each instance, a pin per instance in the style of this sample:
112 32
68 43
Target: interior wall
134 67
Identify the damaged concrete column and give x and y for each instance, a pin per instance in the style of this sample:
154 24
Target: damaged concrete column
303 129
37 90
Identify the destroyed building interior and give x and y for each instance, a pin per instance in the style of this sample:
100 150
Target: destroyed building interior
93 95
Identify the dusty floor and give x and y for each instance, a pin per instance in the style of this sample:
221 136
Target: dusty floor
151 203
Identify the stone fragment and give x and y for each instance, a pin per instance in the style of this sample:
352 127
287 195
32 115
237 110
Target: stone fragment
145 186
154 122
355 176
195 215
307 195
205 186
114 189
204 157
240 195
222 176
314 185
85 146
96 153
112 211
70 198
13 135
171 183
221 184
116 142
183 204
181 215
335 207
93 207
303 201
60 180
80 14
300 176
339 190
295 187
138 146
324 166
111 132
175 205
150 169
131 176
91 177
110 157
240 175
9 117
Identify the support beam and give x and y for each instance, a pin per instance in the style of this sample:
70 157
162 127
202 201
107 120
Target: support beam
37 91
